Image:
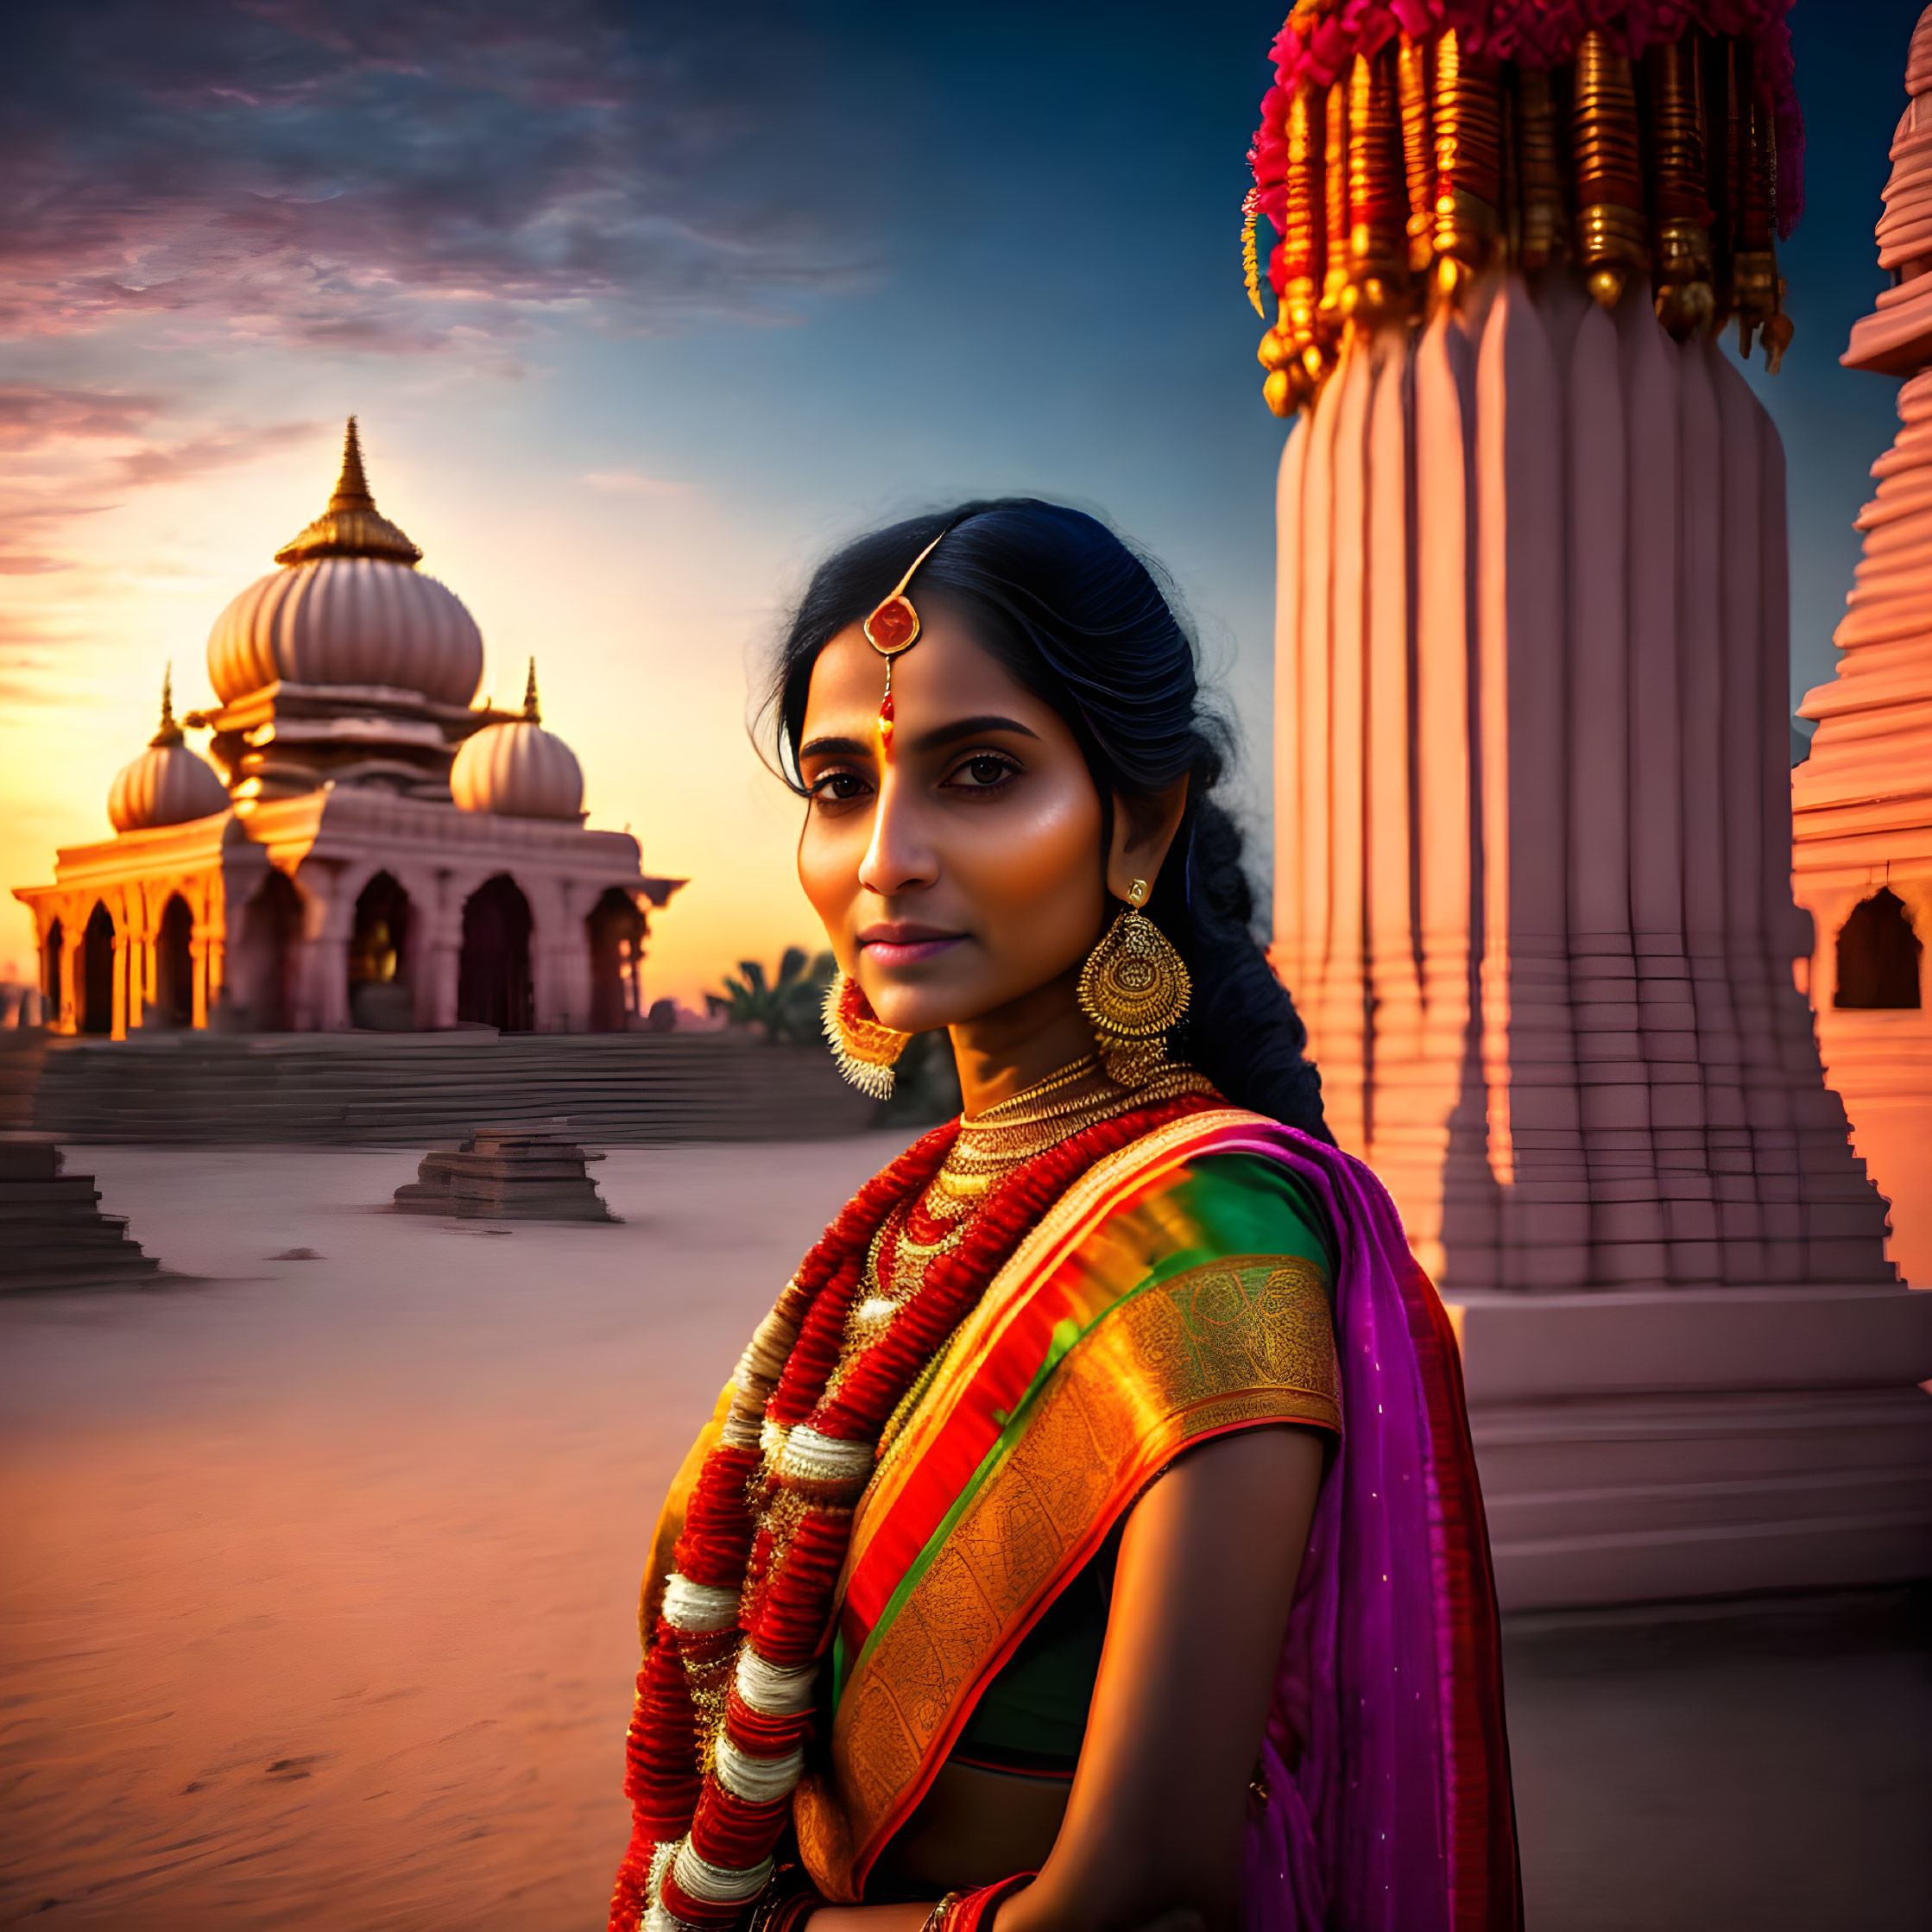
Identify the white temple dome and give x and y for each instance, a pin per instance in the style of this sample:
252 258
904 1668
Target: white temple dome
347 620
349 608
168 785
519 770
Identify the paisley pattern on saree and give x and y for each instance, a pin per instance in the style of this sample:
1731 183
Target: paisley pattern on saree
1232 1343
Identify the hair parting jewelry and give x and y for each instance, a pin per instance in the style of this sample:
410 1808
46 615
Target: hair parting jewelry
892 630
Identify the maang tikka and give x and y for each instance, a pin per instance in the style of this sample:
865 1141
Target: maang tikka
892 630
865 1048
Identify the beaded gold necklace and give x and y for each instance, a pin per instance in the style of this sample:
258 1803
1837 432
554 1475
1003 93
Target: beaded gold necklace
990 1144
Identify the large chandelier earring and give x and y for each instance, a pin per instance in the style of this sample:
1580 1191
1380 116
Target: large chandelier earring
1133 990
864 1046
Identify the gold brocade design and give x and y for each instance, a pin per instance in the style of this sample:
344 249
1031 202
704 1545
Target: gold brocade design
1237 1341
1079 1216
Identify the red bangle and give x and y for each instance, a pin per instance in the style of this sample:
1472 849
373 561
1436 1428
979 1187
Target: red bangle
974 1911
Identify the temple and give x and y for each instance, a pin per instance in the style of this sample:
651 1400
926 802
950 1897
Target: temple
368 847
1862 800
1532 887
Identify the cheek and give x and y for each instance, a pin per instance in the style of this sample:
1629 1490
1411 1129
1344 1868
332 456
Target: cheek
1040 870
829 850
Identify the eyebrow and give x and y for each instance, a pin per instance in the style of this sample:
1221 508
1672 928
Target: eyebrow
944 734
935 740
844 747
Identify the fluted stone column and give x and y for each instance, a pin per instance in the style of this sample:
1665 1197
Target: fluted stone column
1531 897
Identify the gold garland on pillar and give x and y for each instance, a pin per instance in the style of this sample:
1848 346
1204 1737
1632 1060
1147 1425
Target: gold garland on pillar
1685 299
1468 162
1612 236
1424 164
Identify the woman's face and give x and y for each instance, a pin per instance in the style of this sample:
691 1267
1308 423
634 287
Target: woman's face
967 871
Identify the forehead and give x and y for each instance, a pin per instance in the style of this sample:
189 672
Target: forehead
948 673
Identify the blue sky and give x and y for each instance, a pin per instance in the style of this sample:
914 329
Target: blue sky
642 308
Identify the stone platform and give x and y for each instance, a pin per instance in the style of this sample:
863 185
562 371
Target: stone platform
499 1174
1643 1446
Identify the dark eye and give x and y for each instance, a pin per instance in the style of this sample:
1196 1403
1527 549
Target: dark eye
837 787
978 773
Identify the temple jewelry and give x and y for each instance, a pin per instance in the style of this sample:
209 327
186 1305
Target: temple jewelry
892 630
1133 988
865 1048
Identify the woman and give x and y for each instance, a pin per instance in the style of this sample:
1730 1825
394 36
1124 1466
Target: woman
1090 1537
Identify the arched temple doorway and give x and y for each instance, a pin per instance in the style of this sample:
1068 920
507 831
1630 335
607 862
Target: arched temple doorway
97 972
1878 955
379 985
175 964
271 923
616 929
493 977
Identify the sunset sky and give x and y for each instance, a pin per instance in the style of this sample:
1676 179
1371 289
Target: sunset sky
641 308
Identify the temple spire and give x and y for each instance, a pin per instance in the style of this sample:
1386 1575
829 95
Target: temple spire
352 485
351 526
530 711
170 732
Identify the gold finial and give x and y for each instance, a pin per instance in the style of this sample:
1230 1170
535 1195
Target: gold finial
351 526
530 711
170 732
352 486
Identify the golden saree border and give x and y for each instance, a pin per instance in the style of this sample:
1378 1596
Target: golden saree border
996 1351
1232 1343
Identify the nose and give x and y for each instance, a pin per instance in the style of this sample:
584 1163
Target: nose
899 858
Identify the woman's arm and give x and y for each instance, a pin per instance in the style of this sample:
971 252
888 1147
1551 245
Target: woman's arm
1159 1803
1155 1820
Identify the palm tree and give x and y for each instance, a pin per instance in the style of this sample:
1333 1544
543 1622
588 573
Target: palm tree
784 1008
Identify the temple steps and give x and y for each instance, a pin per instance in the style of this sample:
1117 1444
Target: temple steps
52 1234
403 1090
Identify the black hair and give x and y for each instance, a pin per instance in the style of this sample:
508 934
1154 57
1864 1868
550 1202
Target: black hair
1082 620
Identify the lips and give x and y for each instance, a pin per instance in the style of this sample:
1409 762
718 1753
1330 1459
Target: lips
906 944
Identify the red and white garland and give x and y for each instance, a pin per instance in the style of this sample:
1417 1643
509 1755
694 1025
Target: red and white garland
725 1699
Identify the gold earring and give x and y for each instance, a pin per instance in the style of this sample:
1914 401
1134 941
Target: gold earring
864 1046
1133 988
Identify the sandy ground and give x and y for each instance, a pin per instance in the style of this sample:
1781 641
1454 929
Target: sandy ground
317 1605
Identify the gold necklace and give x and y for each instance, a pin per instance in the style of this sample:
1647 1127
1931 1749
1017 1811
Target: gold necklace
1017 1104
988 1148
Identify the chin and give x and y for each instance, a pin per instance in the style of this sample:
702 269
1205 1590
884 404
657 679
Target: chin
912 1008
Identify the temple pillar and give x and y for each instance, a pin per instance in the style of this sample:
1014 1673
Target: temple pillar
436 995
321 974
1531 644
124 956
69 994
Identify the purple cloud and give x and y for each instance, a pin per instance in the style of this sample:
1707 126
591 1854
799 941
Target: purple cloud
73 451
359 175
